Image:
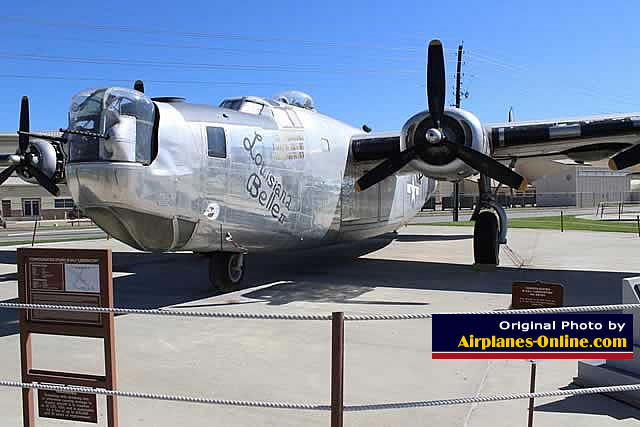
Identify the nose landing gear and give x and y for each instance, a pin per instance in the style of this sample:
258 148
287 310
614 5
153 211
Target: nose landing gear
226 270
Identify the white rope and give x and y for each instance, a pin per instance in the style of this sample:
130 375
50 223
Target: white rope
318 407
166 397
550 310
276 316
495 398
164 312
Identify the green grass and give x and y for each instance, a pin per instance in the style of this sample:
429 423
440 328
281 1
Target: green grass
553 223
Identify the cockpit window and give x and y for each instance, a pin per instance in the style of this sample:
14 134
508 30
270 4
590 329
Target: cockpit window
251 107
232 104
282 118
127 116
245 106
294 118
287 118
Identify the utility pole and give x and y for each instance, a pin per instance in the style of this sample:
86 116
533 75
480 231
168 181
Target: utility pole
456 185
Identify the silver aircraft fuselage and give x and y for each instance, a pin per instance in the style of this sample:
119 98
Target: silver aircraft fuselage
225 180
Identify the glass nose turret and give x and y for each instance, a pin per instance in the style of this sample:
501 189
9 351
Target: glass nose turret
125 116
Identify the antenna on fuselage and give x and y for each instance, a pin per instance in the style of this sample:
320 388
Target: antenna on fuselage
139 86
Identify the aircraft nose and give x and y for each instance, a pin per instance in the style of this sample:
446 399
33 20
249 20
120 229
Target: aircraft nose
119 199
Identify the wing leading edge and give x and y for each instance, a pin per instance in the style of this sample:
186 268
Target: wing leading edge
581 139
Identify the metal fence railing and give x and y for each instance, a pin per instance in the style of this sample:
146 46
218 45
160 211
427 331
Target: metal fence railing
586 199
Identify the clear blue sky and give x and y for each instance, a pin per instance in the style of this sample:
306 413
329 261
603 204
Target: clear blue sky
362 61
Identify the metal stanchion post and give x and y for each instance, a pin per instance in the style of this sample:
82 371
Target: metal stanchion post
532 389
638 223
562 221
619 210
35 226
337 369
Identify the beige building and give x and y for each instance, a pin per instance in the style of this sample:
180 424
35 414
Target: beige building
573 186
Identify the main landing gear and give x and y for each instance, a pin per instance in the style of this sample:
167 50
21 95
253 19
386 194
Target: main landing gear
226 270
490 229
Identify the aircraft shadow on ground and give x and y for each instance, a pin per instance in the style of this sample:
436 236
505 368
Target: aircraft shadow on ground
356 277
146 280
336 274
591 404
330 274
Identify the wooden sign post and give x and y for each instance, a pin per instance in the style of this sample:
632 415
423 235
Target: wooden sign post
66 277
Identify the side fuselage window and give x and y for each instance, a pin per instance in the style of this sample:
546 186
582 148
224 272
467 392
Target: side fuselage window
216 141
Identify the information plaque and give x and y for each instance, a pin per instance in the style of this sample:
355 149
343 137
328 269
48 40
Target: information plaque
536 295
64 280
66 277
68 406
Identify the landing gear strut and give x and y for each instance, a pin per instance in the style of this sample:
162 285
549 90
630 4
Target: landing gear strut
490 228
226 270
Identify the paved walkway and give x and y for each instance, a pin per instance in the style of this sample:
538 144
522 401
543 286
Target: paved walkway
422 269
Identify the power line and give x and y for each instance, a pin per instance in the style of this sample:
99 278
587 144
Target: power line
217 49
201 66
130 81
520 69
205 35
172 82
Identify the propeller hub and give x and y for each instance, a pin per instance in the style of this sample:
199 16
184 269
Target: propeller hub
15 159
434 136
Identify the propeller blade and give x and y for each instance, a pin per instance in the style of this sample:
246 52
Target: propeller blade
385 169
23 140
489 166
436 85
625 159
43 180
139 86
6 174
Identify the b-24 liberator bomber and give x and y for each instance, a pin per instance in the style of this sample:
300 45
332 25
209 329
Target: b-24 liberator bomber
255 174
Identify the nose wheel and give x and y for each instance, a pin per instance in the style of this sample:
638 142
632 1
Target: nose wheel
226 270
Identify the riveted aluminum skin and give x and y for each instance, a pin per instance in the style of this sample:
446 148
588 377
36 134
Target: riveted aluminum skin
276 187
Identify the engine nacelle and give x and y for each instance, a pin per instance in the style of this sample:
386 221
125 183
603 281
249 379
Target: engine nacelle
46 156
437 160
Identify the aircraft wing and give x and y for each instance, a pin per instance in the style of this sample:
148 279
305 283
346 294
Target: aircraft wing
540 148
583 139
374 146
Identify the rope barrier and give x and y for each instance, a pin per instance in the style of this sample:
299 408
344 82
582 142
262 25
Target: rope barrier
164 312
319 407
276 316
495 398
166 397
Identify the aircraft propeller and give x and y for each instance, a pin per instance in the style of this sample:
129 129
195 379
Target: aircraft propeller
139 86
625 159
28 157
435 137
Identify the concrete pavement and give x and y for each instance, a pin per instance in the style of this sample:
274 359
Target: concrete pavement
423 269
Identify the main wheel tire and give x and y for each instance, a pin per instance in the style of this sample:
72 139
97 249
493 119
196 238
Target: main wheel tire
226 270
486 248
